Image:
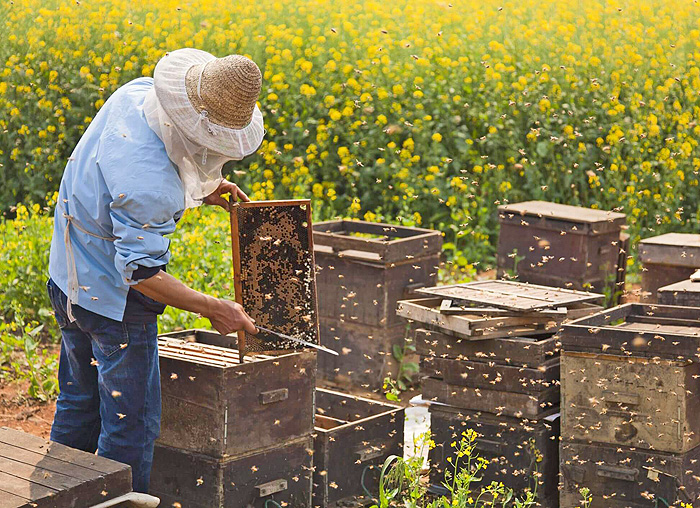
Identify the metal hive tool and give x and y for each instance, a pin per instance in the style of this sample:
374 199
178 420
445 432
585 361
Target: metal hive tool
274 276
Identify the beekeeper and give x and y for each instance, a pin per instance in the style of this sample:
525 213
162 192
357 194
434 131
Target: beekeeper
154 149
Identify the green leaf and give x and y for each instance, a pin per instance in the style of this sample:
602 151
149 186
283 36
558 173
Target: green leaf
398 353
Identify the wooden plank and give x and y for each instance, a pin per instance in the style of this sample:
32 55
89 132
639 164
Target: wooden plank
479 374
560 211
510 295
26 489
58 451
31 458
9 500
517 351
475 326
498 402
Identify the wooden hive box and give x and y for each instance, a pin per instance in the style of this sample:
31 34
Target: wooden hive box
41 474
353 437
280 475
621 477
634 329
365 353
512 447
684 294
666 259
274 272
529 352
631 401
561 245
215 405
364 268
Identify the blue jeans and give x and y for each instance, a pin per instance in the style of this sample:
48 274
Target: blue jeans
110 388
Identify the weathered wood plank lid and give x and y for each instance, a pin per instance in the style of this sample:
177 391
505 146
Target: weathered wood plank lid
37 472
675 249
375 241
572 219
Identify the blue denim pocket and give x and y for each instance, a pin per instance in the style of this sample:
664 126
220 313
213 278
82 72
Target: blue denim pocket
56 303
110 336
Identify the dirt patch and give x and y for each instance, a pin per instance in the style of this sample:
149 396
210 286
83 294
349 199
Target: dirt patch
17 411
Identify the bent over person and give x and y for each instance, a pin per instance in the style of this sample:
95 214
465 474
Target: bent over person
155 148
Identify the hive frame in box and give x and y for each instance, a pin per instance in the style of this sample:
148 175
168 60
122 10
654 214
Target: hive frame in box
248 294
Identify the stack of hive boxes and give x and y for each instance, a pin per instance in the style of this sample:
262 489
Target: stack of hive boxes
667 259
363 269
490 363
234 432
630 400
563 246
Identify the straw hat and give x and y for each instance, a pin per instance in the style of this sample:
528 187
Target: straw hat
212 101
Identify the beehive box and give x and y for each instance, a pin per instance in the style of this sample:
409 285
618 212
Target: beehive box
666 259
489 375
631 401
274 272
280 475
529 352
512 447
353 437
365 353
364 268
536 405
634 329
561 245
264 401
685 294
621 477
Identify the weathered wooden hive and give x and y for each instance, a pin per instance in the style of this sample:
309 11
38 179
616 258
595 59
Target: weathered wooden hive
352 439
685 293
490 363
630 400
235 432
666 259
563 246
238 412
363 269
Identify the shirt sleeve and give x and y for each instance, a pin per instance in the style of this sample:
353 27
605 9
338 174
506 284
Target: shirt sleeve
140 221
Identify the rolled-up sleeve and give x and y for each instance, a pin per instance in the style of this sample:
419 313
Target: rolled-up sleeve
141 220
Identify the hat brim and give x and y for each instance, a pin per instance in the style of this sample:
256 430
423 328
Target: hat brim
169 82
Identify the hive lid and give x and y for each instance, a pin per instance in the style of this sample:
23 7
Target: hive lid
516 296
586 220
375 241
675 249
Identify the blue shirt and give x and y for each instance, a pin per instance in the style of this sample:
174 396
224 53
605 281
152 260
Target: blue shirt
119 184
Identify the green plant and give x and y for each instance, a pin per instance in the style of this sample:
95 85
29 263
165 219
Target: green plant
586 496
23 357
407 370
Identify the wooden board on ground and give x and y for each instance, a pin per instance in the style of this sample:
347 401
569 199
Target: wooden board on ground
476 326
274 274
39 473
633 329
517 296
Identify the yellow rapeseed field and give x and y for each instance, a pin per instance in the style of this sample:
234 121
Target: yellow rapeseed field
427 112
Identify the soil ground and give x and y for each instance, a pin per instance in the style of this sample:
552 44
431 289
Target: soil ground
17 411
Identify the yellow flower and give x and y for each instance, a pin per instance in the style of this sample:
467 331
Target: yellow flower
437 137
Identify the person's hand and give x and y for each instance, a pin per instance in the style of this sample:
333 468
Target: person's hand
227 317
226 187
